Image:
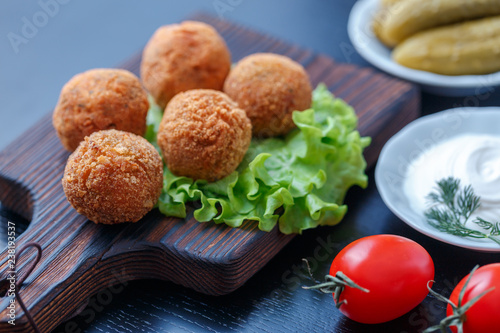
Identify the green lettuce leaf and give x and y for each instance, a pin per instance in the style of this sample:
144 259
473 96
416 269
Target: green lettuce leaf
153 120
298 181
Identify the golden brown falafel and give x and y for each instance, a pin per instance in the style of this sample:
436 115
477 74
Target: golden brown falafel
269 87
203 134
180 57
100 99
113 177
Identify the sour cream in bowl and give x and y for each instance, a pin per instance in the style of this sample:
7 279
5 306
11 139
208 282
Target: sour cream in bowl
463 143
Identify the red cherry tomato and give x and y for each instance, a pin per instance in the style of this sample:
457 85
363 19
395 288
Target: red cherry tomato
484 315
394 269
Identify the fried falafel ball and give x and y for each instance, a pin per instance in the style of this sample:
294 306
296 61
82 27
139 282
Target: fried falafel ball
203 135
180 57
113 177
100 99
269 87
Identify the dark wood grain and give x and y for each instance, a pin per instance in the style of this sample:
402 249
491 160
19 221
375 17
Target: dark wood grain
80 257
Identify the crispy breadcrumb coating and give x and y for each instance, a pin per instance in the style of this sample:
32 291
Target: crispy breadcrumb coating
203 135
113 177
269 87
100 99
180 57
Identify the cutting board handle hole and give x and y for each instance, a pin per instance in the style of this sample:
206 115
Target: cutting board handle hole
17 200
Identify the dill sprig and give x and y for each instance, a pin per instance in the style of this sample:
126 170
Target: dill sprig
452 209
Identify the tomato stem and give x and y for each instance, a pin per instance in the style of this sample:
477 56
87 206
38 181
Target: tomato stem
335 285
458 317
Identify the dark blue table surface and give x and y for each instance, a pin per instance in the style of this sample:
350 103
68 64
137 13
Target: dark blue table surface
36 61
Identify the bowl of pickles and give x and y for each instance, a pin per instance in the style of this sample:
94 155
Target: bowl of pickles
448 47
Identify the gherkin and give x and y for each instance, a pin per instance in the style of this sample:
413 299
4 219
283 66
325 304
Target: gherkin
406 17
467 48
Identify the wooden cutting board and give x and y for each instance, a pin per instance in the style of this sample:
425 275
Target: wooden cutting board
80 258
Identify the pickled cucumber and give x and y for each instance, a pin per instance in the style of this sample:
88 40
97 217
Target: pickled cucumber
471 47
407 17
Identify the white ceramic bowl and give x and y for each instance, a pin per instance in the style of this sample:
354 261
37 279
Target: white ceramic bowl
373 51
409 143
